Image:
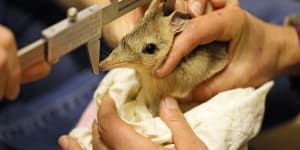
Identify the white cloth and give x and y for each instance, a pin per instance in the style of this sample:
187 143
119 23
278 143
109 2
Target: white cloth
225 122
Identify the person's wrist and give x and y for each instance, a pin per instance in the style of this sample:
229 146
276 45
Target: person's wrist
293 22
289 62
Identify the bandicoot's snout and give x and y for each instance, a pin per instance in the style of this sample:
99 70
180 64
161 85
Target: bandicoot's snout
110 63
101 67
104 65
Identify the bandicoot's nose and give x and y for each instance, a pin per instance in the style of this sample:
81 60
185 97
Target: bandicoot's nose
101 67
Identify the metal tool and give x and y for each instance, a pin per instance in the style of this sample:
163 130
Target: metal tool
79 28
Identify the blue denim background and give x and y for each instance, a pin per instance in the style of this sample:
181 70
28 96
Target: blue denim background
50 107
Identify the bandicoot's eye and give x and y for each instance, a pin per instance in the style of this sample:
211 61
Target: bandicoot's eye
150 48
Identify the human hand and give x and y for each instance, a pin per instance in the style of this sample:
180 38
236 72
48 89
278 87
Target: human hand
258 51
113 133
116 30
198 7
11 74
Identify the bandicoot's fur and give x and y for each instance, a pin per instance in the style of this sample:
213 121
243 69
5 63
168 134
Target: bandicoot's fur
148 45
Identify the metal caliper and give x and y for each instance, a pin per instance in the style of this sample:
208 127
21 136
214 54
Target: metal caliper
79 28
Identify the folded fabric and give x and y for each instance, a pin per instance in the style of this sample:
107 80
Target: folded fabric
225 122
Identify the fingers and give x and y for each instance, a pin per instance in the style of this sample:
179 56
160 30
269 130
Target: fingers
36 72
200 30
97 142
13 84
196 7
116 134
234 2
68 143
110 124
13 79
9 65
218 3
10 69
218 25
183 136
3 73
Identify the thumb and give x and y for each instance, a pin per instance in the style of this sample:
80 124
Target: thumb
36 71
68 143
220 25
183 135
218 3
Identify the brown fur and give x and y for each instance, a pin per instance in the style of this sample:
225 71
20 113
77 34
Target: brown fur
201 64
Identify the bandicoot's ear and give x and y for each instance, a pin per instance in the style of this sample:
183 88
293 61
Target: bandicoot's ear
168 7
178 21
153 6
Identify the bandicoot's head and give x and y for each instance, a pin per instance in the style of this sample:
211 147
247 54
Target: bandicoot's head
146 47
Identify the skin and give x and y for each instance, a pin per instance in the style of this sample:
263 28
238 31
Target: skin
11 74
252 61
277 55
206 62
116 30
110 125
107 135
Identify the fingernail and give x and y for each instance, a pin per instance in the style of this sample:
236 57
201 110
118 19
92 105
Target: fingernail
54 61
219 1
13 96
171 103
36 69
188 98
63 142
158 74
196 8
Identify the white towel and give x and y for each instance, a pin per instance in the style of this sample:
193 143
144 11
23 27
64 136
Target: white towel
225 122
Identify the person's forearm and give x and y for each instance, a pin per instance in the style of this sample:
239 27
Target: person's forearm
289 59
